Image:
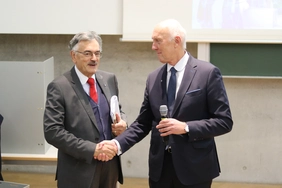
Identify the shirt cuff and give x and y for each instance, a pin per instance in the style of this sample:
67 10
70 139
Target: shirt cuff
119 148
186 128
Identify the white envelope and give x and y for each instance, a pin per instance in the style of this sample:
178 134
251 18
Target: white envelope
114 108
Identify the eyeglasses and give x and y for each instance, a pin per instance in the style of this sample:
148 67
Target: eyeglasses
89 54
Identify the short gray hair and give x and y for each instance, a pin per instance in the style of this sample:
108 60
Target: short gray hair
85 36
175 29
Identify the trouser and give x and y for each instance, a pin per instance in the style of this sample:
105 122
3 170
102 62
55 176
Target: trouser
106 174
169 178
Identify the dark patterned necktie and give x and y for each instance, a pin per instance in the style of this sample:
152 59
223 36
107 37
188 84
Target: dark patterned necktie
171 89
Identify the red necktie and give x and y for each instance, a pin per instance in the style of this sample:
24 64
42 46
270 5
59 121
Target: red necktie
92 91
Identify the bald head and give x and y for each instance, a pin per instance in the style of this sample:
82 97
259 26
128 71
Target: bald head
169 41
173 29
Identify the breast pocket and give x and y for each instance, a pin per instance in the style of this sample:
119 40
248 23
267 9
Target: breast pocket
194 92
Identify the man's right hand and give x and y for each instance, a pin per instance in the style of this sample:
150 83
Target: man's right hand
105 150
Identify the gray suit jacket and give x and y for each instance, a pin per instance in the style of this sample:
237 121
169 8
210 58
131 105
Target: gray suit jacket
70 126
202 103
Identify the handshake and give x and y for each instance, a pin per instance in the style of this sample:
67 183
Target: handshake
105 150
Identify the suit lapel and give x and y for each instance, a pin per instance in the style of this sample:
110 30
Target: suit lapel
103 85
78 89
162 76
189 73
163 85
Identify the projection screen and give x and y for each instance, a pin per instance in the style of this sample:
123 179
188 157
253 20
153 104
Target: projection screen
243 21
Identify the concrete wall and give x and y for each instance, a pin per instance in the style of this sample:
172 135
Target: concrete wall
250 153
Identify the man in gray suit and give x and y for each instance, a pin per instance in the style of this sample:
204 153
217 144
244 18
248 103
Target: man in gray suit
182 147
78 125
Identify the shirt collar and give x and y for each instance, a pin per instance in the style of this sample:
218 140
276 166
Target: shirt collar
180 65
83 79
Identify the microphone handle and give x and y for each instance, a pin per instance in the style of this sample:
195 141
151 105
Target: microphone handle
165 138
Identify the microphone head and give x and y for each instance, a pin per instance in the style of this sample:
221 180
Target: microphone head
163 110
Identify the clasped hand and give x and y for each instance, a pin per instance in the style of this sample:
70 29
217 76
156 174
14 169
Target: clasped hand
105 150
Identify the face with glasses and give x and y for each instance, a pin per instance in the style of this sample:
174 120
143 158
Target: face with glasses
86 56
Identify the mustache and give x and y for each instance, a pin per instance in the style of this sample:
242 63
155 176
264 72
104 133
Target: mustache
92 62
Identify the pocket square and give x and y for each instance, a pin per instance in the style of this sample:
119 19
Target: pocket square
192 91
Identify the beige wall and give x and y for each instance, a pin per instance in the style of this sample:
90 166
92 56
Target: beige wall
250 153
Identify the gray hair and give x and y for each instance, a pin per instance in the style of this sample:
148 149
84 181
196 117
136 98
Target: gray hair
175 29
85 36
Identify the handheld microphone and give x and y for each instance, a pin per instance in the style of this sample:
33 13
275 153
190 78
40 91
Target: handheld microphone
163 112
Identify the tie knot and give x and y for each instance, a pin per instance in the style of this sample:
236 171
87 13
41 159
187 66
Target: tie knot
173 70
90 81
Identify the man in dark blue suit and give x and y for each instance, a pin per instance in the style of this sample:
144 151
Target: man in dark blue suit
199 112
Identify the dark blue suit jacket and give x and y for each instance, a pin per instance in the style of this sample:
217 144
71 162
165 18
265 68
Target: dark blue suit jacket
201 102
